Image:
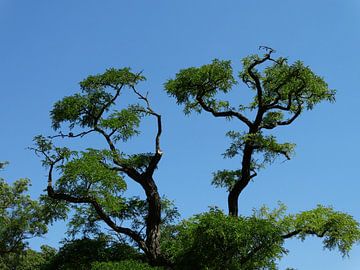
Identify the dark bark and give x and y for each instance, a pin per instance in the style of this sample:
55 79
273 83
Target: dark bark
151 244
153 221
239 186
310 232
228 114
254 127
68 198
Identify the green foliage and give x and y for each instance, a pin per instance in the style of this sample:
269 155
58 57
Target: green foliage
280 81
79 109
226 178
284 82
94 180
271 119
89 174
282 91
112 77
28 260
338 230
97 175
53 210
267 145
138 161
204 81
296 81
21 217
84 221
123 265
133 211
86 109
125 121
52 153
216 241
82 253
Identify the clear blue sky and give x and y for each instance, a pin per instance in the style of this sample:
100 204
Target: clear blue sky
47 47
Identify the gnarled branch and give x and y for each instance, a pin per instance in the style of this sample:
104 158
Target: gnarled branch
229 113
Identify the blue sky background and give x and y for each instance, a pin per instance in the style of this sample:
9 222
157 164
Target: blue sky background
47 47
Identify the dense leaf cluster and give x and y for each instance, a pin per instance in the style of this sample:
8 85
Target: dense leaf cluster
214 240
21 218
87 108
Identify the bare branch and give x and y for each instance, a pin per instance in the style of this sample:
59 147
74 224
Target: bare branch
111 101
71 135
285 122
89 200
132 234
113 132
158 153
131 172
290 120
266 48
296 232
286 236
256 79
107 138
229 113
275 104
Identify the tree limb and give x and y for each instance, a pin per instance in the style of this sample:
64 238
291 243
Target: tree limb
111 101
229 113
255 77
89 200
158 153
296 232
71 135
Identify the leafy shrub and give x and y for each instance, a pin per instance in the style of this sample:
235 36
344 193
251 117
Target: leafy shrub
123 265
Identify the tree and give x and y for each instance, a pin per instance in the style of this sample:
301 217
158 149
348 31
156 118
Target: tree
282 92
82 253
21 218
124 265
93 181
215 241
28 259
37 259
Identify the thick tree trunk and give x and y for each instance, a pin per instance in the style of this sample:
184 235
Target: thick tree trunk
239 186
153 221
233 203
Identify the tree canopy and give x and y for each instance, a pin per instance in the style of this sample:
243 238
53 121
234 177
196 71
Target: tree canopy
214 240
282 91
21 217
87 184
93 181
